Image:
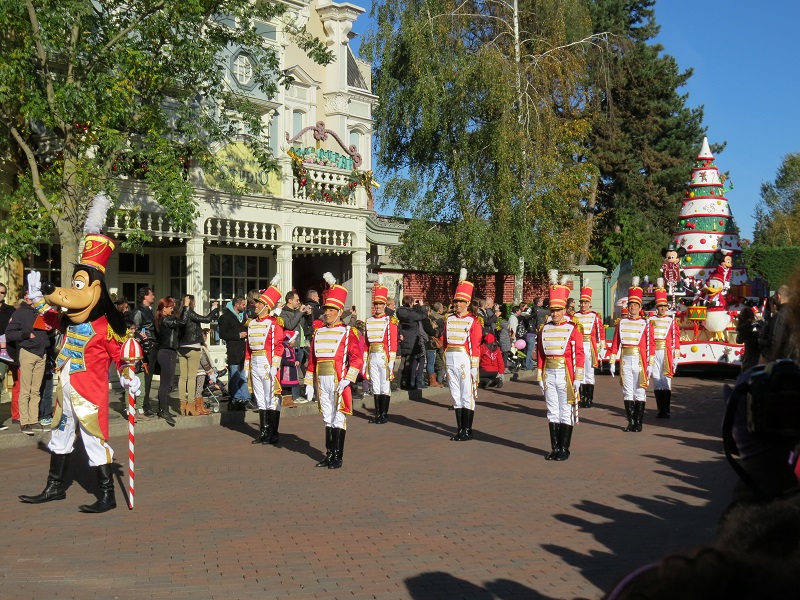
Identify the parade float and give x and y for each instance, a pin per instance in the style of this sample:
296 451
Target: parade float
712 283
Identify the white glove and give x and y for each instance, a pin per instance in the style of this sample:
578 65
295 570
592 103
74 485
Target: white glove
342 386
612 365
273 371
34 286
650 369
541 384
474 373
309 392
391 366
577 386
133 385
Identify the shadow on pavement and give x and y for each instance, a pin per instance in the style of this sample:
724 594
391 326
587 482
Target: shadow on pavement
437 585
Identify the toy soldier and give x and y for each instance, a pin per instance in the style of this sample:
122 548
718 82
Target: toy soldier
262 360
334 363
462 343
593 344
381 333
634 339
560 361
667 337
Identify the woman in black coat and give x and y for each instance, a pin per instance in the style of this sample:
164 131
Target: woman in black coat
190 347
412 349
167 331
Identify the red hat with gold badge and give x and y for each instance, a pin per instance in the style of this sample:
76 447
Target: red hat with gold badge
272 295
336 296
558 291
635 293
464 288
586 294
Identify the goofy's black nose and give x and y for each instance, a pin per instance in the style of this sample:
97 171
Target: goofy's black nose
48 288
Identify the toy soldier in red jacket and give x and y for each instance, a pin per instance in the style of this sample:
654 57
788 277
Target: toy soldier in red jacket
381 352
560 362
634 340
593 344
262 360
334 363
667 337
462 342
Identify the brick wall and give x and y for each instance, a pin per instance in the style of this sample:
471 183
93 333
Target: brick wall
439 287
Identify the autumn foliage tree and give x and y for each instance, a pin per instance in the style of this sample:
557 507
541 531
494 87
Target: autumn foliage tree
93 93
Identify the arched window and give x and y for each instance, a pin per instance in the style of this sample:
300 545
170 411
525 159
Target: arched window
355 140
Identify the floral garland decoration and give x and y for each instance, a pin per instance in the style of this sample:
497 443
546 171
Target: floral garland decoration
324 192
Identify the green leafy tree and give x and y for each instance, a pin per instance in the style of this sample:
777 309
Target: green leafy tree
92 93
643 138
478 128
778 217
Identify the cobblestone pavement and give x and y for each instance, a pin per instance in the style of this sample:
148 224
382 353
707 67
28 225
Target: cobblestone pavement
410 515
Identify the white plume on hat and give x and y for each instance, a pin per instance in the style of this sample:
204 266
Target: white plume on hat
564 279
380 278
635 281
96 217
660 282
462 274
329 278
553 275
276 280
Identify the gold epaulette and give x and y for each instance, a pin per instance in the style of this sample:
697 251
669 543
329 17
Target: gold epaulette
480 320
356 331
499 326
113 335
279 321
579 326
394 320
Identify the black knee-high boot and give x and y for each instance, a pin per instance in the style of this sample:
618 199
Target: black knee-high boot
376 400
338 448
274 419
638 415
629 406
263 428
667 402
55 488
590 395
466 417
555 440
564 441
328 448
459 435
385 410
106 501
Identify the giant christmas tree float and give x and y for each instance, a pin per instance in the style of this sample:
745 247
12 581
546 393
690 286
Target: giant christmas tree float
706 224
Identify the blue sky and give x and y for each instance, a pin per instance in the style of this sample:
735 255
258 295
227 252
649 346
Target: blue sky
742 53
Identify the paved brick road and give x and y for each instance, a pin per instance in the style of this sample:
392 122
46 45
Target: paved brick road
411 514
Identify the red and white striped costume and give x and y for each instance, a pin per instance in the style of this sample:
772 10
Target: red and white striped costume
262 358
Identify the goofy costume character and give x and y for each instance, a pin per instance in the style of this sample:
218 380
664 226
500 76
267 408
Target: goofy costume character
93 335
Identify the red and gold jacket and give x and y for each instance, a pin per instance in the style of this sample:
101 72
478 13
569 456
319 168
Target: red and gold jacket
88 349
464 332
335 351
592 330
265 338
561 346
635 333
667 337
381 336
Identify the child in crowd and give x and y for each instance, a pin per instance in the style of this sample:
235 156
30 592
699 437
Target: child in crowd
4 355
491 363
289 371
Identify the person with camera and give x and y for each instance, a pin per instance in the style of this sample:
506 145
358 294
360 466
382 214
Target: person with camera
381 344
233 331
190 349
775 339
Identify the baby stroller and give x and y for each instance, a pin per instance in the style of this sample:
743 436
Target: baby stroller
214 391
514 360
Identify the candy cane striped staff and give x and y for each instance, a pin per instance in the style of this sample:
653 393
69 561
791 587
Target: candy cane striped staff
131 353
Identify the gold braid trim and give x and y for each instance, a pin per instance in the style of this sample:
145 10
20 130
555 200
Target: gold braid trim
279 321
112 335
395 320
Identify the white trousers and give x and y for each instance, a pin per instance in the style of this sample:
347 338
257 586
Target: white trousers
555 396
329 403
379 374
629 366
263 385
459 377
62 438
588 369
661 381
